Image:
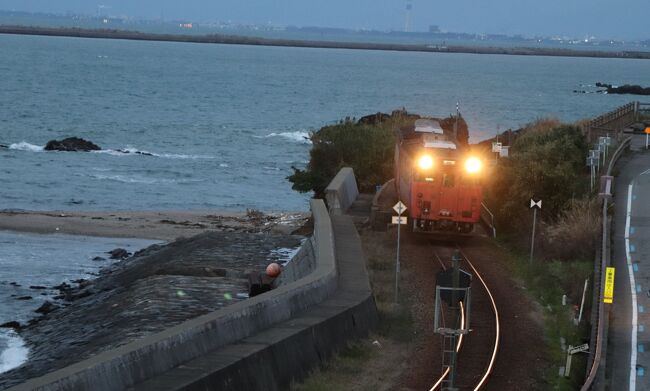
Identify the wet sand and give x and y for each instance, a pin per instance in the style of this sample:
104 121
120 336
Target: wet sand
158 225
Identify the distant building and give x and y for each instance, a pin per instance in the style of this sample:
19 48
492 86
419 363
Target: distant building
186 25
434 28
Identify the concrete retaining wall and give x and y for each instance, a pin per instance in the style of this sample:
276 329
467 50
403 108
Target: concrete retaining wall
276 357
148 357
342 191
303 263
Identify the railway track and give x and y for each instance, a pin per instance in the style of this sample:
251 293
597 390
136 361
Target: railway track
476 380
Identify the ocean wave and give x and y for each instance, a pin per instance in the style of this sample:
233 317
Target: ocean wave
14 353
134 151
300 136
141 180
283 255
25 146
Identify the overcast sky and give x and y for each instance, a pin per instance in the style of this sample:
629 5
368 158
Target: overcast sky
622 19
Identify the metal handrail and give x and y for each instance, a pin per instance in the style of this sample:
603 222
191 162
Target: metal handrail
605 260
491 222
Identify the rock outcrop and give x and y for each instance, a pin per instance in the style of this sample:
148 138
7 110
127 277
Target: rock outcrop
71 144
624 89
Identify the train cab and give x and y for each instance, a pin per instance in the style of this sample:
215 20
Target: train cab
439 182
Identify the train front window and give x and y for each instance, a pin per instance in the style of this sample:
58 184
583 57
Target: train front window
424 176
448 180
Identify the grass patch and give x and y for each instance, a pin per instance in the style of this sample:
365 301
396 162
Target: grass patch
546 282
373 363
340 371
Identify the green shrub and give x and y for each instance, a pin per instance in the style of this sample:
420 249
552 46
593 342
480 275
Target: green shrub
367 148
547 162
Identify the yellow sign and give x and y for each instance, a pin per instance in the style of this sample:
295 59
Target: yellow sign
609 285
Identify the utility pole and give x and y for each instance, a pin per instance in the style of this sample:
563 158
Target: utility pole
456 122
534 205
455 262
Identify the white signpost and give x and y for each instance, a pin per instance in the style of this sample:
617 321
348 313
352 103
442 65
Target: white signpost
570 352
534 205
400 208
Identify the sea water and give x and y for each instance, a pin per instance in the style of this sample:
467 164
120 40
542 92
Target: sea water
194 126
28 260
222 125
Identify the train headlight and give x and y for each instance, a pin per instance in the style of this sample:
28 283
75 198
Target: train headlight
425 162
473 165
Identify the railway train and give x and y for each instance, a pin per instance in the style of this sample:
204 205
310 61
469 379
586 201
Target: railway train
438 179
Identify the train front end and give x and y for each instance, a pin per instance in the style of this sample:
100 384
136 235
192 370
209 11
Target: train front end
440 184
445 193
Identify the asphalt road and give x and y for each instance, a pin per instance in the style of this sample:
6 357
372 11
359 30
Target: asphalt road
628 350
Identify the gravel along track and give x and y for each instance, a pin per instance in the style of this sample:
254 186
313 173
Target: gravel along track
520 362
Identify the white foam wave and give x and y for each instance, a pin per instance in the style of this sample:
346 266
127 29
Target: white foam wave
300 136
284 255
25 146
134 151
224 165
140 179
15 353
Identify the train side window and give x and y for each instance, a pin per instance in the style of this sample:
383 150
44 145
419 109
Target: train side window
448 180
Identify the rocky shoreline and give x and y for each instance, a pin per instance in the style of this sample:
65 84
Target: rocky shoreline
155 288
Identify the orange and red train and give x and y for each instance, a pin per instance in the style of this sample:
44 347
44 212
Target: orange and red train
438 179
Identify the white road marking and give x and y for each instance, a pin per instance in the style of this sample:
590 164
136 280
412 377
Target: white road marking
646 172
630 272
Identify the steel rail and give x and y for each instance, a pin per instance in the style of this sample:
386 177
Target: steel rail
497 338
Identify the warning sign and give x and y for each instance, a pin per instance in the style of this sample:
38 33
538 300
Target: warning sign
609 286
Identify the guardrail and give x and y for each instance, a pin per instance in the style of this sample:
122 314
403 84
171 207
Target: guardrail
488 219
614 115
613 121
599 280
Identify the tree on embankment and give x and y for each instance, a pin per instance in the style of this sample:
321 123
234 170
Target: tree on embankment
547 162
366 145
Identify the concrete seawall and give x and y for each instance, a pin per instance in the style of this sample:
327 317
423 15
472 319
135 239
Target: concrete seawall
342 191
151 356
262 343
286 352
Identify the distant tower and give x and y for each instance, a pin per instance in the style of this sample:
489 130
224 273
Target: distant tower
409 7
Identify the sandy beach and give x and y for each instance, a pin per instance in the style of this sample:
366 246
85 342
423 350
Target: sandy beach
158 225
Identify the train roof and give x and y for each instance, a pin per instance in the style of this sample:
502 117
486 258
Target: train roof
439 144
428 126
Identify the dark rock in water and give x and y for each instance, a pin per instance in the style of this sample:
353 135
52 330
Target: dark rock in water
24 298
37 287
135 152
119 253
624 89
71 144
11 325
46 308
97 259
62 287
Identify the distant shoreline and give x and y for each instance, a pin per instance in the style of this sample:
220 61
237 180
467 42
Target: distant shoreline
256 41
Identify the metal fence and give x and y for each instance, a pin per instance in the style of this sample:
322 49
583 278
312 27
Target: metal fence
599 312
